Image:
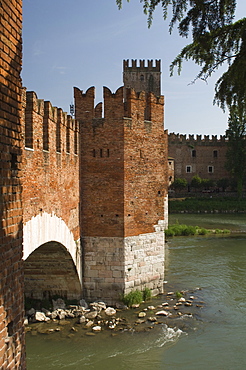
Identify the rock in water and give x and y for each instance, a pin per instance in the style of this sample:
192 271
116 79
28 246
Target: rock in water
110 311
142 314
97 328
91 315
162 313
40 316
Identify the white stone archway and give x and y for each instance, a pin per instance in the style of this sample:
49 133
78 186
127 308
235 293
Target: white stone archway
45 228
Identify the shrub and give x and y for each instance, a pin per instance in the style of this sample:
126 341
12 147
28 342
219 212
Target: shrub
146 294
202 231
134 297
178 294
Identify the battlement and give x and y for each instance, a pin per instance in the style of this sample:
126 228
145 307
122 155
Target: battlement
46 126
134 65
199 139
115 105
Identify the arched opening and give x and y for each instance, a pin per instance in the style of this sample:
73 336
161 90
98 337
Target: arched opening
49 272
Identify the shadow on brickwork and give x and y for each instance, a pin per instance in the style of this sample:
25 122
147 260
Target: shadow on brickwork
12 344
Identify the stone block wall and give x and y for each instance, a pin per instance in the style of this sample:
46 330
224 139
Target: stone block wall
12 345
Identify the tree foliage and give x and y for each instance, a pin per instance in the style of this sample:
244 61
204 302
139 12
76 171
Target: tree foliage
216 40
179 184
196 182
236 151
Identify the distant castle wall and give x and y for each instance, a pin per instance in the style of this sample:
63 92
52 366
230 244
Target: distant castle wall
200 155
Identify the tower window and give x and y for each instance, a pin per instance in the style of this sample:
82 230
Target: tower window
215 153
210 169
142 78
193 153
188 169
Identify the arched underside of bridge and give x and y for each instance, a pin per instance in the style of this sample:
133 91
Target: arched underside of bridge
50 271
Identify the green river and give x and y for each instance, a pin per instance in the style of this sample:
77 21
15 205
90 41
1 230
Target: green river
213 338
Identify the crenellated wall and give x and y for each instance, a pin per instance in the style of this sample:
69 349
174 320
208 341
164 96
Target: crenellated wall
204 156
50 197
196 139
123 177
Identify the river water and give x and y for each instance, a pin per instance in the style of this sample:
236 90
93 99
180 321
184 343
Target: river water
213 338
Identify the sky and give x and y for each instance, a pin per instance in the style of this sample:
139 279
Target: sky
83 43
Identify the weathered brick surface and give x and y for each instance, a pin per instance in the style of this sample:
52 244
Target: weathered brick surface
123 185
199 154
50 162
12 346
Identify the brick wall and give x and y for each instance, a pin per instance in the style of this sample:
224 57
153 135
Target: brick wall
203 156
50 162
123 183
50 199
12 347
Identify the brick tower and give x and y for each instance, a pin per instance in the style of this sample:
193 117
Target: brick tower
142 78
123 184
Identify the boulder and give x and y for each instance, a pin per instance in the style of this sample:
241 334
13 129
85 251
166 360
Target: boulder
91 315
162 313
96 328
40 316
89 324
31 312
142 314
82 319
59 303
110 311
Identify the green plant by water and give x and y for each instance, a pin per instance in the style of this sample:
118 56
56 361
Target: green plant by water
187 230
136 297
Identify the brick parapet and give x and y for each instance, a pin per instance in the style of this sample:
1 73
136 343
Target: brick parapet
51 162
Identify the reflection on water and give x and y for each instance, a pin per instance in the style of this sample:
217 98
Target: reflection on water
213 339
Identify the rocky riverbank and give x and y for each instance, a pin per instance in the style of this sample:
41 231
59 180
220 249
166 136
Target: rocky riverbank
89 319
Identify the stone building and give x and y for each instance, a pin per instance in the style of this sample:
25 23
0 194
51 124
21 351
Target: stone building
12 347
200 156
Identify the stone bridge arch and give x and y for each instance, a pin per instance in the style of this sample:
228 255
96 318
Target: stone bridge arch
51 258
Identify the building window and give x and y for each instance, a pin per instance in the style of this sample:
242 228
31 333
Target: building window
210 169
188 169
193 153
141 77
215 153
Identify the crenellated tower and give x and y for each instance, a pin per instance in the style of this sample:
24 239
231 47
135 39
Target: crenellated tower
123 185
142 77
